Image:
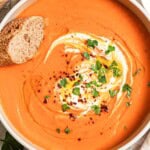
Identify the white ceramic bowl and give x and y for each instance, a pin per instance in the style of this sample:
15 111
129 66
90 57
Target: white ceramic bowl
136 8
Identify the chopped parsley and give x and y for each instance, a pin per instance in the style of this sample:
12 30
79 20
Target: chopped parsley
63 82
86 55
67 130
113 64
128 89
92 43
76 83
95 83
102 78
102 71
95 93
76 91
148 84
96 109
47 97
97 66
113 93
114 67
88 85
58 130
80 76
116 72
128 104
136 72
65 107
110 49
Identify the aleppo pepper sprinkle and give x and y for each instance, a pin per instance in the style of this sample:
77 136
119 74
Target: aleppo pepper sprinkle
58 130
45 101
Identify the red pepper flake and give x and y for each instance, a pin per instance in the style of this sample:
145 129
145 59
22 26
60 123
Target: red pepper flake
45 101
106 66
104 108
66 55
93 122
38 91
58 85
82 59
80 100
54 76
79 139
91 118
101 133
92 55
67 62
72 117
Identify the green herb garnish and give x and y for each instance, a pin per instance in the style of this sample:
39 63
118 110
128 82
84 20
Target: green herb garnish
92 43
96 109
110 49
88 85
63 82
128 89
47 97
148 84
136 72
116 72
102 70
95 93
76 91
65 107
9 143
113 93
80 76
113 64
86 55
95 83
76 83
102 78
58 130
67 130
97 66
128 104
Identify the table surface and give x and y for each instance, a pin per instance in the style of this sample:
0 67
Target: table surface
3 11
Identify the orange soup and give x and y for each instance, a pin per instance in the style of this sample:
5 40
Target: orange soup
88 86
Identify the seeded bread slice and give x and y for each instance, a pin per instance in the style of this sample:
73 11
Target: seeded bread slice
20 40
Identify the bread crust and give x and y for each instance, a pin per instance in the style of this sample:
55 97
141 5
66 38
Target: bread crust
7 33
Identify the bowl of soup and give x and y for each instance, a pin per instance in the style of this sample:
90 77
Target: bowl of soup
89 85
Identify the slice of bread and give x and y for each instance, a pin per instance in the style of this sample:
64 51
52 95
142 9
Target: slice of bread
20 40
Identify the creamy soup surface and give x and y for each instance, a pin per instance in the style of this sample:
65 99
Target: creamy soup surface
88 86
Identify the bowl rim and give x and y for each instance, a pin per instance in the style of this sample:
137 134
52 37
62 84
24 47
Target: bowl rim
8 125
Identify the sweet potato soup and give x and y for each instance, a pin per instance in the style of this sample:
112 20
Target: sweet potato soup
88 86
